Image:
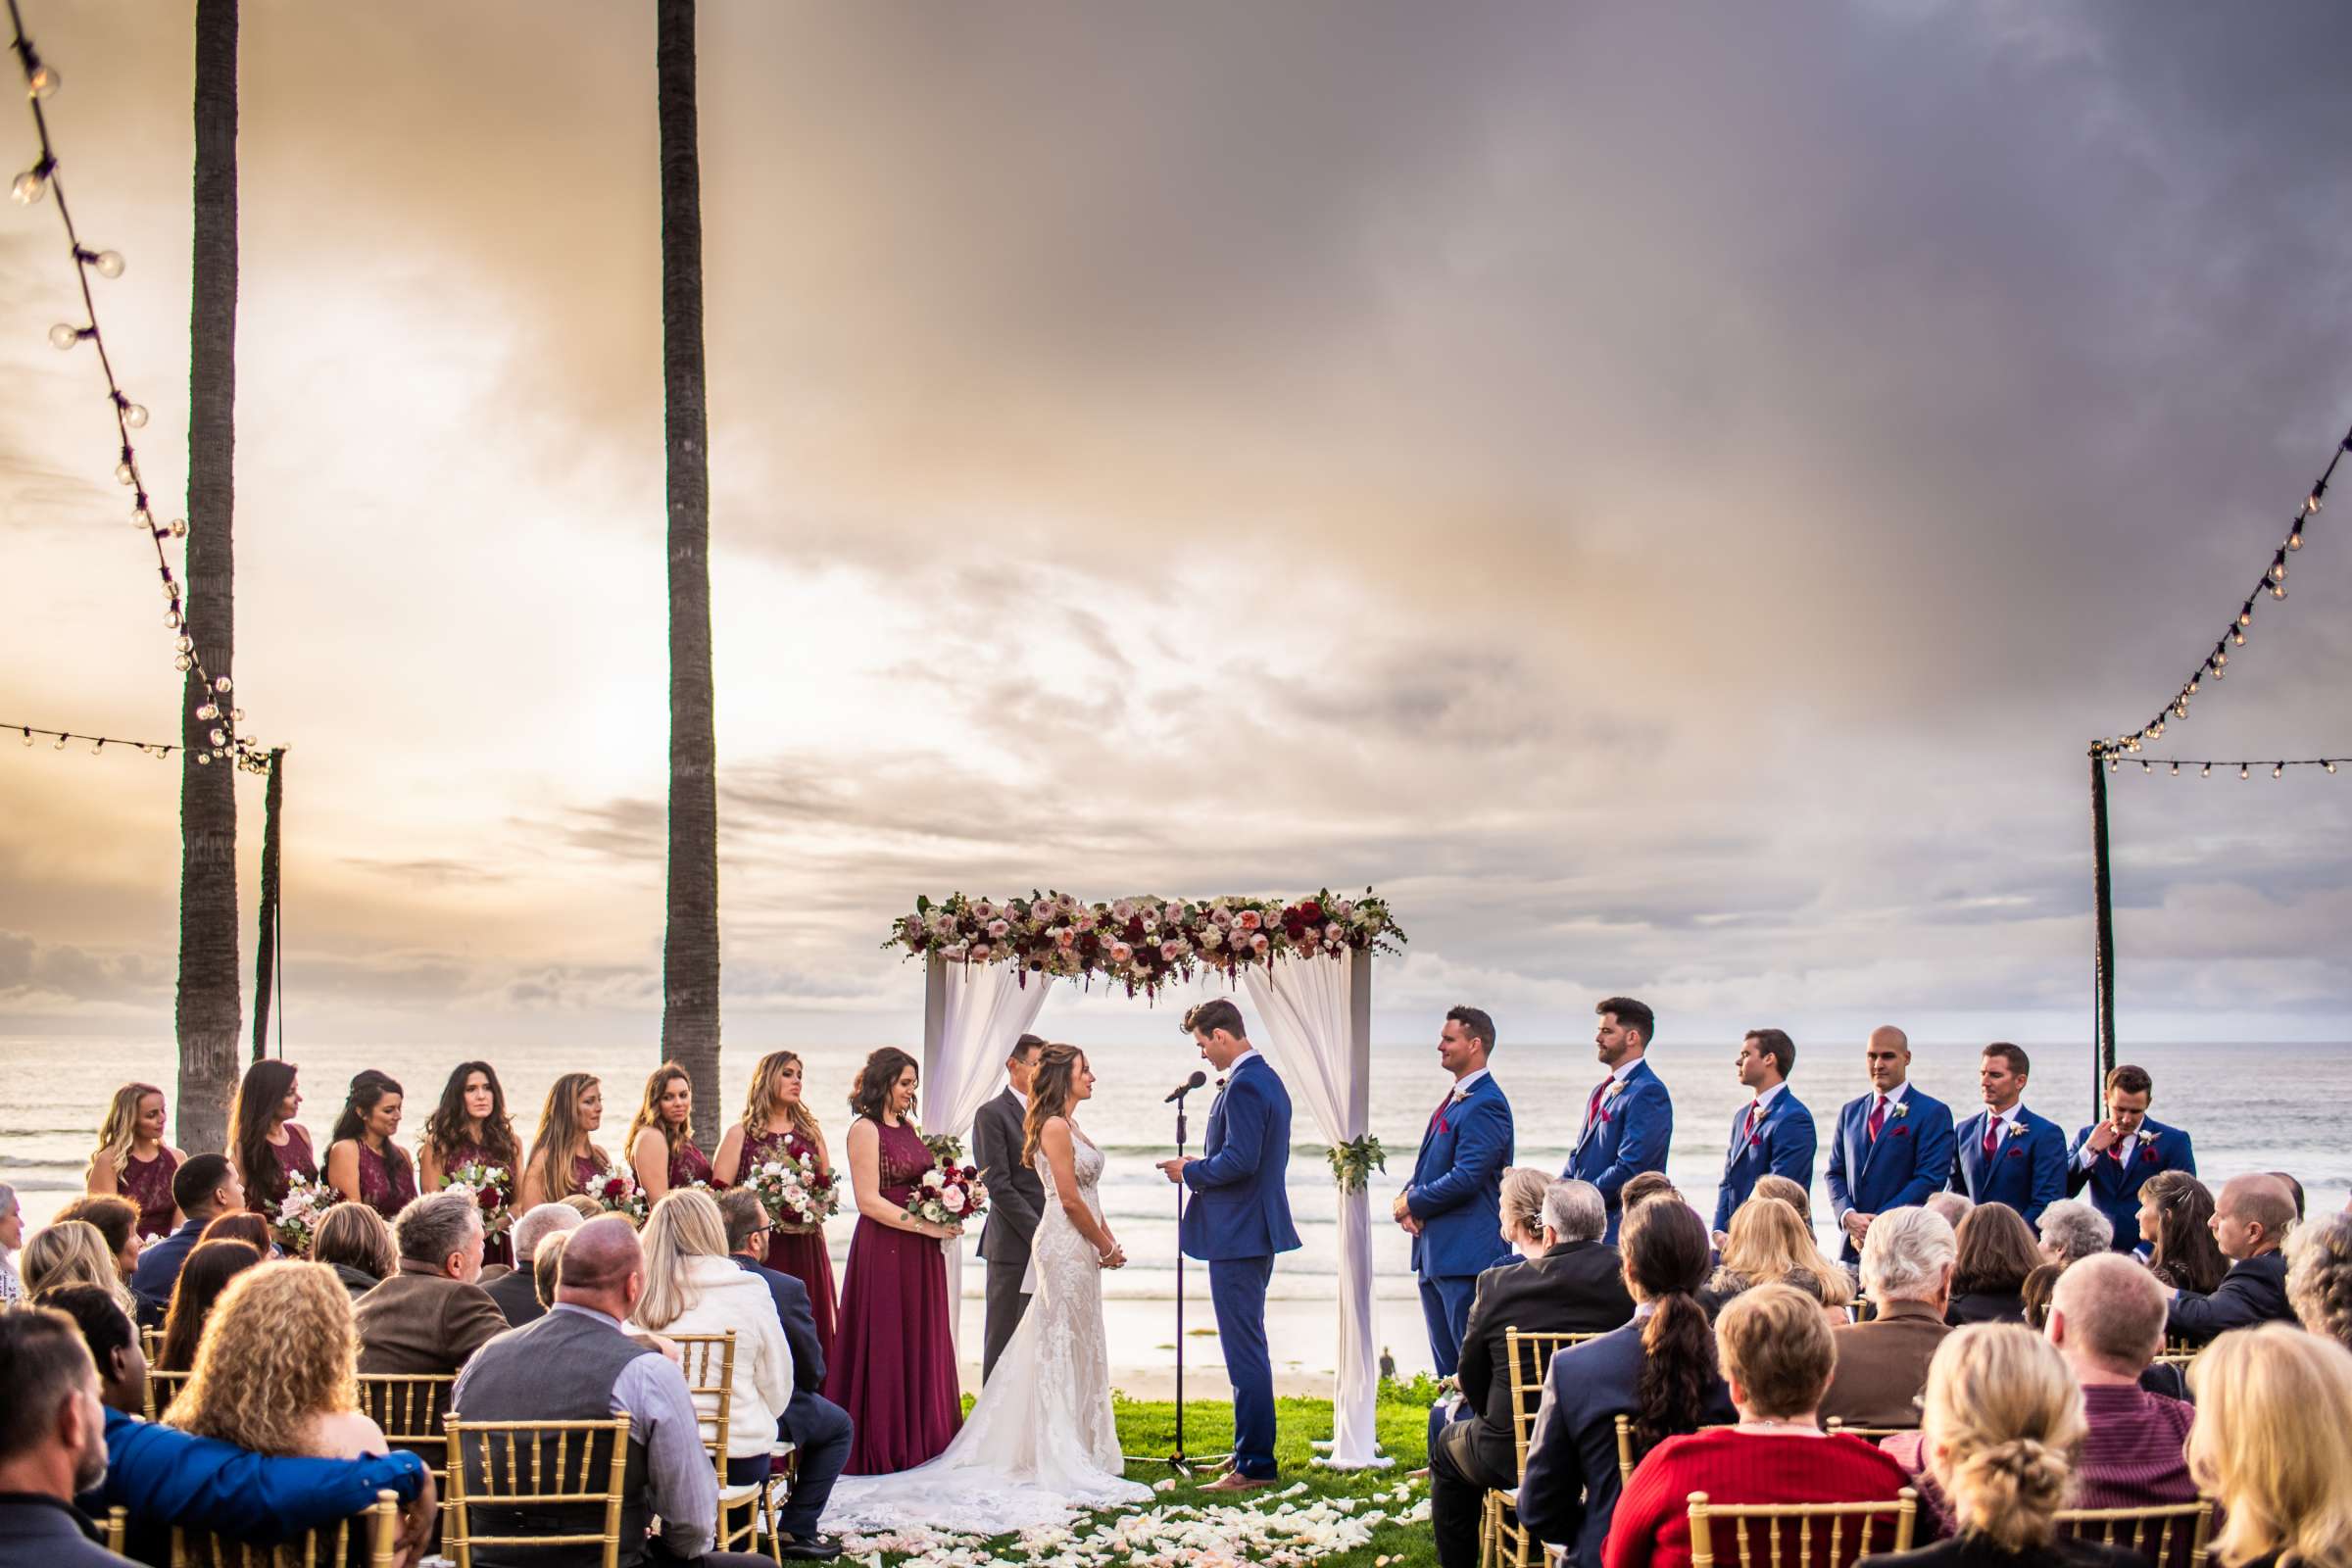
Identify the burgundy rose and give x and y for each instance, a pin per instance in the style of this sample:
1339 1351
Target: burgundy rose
1134 929
488 1197
1311 909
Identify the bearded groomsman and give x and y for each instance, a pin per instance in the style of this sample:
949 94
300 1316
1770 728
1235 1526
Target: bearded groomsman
1453 1207
1772 1134
1016 1198
2007 1154
1629 1119
1894 1143
2115 1157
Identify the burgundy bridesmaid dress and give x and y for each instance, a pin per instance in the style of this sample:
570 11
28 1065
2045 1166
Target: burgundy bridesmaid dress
803 1254
586 1168
386 1184
894 1362
688 1166
148 1184
499 1249
293 1160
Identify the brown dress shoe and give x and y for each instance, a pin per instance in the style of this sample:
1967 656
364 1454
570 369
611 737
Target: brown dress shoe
1237 1482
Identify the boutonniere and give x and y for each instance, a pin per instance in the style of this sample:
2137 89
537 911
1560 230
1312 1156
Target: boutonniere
2010 1128
1457 1097
1616 1085
1902 1109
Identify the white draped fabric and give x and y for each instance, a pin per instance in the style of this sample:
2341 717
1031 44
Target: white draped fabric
973 1013
1316 1034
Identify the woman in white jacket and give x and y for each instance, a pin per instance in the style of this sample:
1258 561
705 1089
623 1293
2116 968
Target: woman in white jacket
692 1286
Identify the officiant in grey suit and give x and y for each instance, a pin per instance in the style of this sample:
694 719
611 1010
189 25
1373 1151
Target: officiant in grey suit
1016 1198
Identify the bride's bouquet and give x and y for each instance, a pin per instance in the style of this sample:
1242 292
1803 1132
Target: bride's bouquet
798 1197
618 1191
298 1213
949 1192
492 1187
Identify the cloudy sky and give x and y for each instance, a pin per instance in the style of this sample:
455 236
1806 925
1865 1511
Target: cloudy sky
1666 493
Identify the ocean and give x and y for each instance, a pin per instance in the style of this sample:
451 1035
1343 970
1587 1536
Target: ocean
2248 1106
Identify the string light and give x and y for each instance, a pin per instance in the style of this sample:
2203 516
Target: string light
2274 580
2173 764
35 184
98 743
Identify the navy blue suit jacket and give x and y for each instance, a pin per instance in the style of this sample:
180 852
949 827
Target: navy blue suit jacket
1910 1161
799 1331
2026 1171
1456 1190
1631 1134
2115 1185
1784 1146
158 1271
1570 1491
1240 1207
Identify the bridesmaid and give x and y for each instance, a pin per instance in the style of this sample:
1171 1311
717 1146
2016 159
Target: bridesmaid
470 1127
364 1163
661 1149
894 1367
134 1162
562 1158
266 1144
777 1120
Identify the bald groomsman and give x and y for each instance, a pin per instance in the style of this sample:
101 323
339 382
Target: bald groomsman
1894 1143
1772 1133
1629 1119
2007 1154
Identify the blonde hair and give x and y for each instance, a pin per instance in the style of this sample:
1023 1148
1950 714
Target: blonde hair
762 1096
559 1131
1774 1343
279 1350
1768 1242
2002 1419
2272 1443
685 1224
582 1204
649 1110
1788 1190
71 1251
120 1131
1522 1199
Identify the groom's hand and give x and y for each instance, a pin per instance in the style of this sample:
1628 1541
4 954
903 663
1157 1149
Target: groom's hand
1173 1169
1401 1209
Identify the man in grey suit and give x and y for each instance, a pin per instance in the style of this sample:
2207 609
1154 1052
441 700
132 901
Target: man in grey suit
1016 1198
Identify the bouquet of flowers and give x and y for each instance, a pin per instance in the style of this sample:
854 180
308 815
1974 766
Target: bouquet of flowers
618 1191
297 1217
798 1197
490 1186
949 1192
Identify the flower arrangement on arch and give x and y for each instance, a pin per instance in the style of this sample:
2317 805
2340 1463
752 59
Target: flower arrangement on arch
295 1218
1144 943
492 1187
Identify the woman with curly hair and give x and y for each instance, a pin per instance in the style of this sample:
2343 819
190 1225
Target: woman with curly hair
661 1150
266 1144
2319 1277
133 1159
2175 1219
209 1270
278 1370
565 1156
362 1162
1769 1242
470 1127
72 1251
1997 1250
777 1122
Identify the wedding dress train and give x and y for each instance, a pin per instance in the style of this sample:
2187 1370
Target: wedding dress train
1040 1442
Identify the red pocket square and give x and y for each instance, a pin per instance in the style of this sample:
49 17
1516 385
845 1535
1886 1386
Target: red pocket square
2016 1153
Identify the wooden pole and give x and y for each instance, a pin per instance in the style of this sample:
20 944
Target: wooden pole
2102 883
266 952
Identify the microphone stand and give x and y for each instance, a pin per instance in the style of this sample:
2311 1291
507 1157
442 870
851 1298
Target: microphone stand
1178 1461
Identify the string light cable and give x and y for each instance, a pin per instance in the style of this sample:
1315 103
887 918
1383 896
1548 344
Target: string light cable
2215 665
35 184
60 738
2245 768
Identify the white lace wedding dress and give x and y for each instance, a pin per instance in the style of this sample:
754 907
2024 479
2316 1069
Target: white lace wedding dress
1040 1442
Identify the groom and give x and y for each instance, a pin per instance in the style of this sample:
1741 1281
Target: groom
1239 1219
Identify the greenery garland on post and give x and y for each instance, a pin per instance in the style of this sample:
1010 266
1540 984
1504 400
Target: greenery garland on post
1353 1163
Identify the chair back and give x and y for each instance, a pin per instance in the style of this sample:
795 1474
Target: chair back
366 1538
413 1412
1827 1535
1529 1356
2169 1357
2171 1536
1866 1434
709 1363
118 1528
535 1465
162 1389
151 1342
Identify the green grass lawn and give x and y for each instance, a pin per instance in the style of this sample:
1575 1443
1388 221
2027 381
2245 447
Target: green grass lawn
1348 1518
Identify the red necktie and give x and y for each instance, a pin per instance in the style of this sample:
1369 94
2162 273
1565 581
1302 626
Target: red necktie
1992 1136
1436 1117
1748 1128
1878 1119
1593 1106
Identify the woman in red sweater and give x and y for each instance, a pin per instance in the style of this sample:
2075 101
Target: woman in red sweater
1777 1353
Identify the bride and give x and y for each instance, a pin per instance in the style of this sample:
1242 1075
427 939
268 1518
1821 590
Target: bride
1041 1440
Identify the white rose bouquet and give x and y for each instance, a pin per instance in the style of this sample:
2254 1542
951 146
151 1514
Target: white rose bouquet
492 1187
798 1197
296 1221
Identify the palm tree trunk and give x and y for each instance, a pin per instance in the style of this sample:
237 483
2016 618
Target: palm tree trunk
690 945
209 1007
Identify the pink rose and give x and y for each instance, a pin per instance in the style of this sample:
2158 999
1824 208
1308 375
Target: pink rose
1332 932
1120 953
979 952
1221 917
1170 951
1258 943
1248 919
999 930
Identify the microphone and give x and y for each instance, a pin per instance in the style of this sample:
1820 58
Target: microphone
1185 1088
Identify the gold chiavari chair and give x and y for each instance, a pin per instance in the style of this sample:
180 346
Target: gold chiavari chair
118 1528
162 1389
328 1547
1866 1434
1901 1514
2172 1537
709 1363
1502 1538
541 1465
413 1411
151 1343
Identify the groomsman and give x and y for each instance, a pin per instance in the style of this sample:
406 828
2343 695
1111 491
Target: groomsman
1453 1207
2007 1154
1893 1146
1016 1198
2115 1157
1629 1119
1772 1134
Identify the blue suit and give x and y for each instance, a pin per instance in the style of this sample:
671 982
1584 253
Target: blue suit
1238 1218
1456 1194
1910 1160
1783 1145
2115 1185
1631 1134
158 1272
2026 1171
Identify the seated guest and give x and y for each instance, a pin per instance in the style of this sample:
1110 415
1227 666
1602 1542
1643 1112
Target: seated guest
1953 1206
166 1477
585 1206
204 1187
429 1317
2272 1446
117 1220
517 1292
2176 1220
2073 1230
2107 1319
1768 1244
71 1251
547 1270
52 1443
354 1241
208 1272
2250 1221
250 1228
1788 1192
577 1364
1883 1365
11 1237
1645 1184
2294 1188
1996 1250
2034 1294
1777 1353
1659 1370
2319 1281
692 1286
1567 1281
820 1430
2002 1418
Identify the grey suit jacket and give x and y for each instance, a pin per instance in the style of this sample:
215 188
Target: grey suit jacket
1016 1197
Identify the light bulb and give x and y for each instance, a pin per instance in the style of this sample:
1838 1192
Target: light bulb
207 712
31 186
2330 767
2294 541
64 335
220 737
60 745
2206 771
141 518
220 683
2245 616
182 664
236 715
2192 688
28 737
44 81
2241 770
2310 504
186 645
2114 762
123 473
2278 572
2176 770
179 527
2238 637
2278 590
171 618
107 263
2220 659
204 758
134 415
2146 766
